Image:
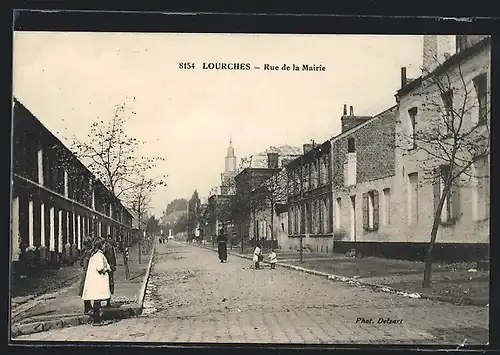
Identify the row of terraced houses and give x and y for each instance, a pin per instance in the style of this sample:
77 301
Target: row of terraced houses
56 201
365 188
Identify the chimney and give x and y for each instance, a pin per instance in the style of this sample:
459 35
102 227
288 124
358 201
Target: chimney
272 160
345 111
351 111
307 147
403 77
436 49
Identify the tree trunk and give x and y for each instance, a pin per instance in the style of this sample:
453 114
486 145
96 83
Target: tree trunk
435 225
241 236
272 222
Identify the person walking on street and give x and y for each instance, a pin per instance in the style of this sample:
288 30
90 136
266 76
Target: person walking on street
222 245
257 255
273 259
96 286
84 261
110 253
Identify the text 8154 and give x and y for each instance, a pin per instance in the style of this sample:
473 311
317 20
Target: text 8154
186 65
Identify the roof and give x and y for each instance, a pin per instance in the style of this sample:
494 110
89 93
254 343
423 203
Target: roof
259 160
457 57
390 112
45 131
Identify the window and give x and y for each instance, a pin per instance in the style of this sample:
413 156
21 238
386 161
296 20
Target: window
481 193
338 206
40 166
447 98
413 120
327 216
350 145
350 170
353 218
371 210
446 211
413 199
451 205
386 207
480 85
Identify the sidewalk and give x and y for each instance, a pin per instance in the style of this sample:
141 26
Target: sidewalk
452 283
65 308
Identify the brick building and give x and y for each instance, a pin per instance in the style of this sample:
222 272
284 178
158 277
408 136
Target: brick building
463 232
56 201
363 165
310 198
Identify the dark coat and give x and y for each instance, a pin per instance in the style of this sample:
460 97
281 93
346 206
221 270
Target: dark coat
222 246
110 254
87 253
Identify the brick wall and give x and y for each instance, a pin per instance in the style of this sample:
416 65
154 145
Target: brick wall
374 146
349 122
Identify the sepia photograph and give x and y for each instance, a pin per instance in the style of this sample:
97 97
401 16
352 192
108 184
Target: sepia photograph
186 188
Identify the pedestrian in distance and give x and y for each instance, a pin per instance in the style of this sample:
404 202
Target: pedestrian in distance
273 259
96 287
110 253
257 255
222 245
84 262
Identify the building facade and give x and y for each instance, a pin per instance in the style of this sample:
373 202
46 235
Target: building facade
363 165
422 164
310 199
56 201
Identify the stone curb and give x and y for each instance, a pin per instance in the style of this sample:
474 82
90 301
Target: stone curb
142 291
75 320
373 286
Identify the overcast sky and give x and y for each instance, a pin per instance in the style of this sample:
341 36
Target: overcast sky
67 80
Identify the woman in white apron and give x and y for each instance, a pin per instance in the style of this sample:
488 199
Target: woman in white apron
96 287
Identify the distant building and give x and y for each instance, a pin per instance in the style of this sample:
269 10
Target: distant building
285 154
227 177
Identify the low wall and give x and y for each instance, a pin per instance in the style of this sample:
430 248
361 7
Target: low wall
445 252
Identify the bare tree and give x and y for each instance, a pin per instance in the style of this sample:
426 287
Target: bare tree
275 191
112 155
451 138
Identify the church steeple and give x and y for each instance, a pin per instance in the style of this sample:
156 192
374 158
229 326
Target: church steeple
230 157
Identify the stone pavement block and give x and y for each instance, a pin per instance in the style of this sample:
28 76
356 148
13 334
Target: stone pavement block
285 307
67 304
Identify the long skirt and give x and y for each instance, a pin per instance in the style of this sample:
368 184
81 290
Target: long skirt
223 251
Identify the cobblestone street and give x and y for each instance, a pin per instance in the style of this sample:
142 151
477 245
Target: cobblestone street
192 297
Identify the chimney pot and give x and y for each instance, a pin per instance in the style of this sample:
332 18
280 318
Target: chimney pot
403 76
351 111
345 110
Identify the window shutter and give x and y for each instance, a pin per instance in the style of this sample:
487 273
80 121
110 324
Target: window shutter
376 210
365 211
436 188
455 201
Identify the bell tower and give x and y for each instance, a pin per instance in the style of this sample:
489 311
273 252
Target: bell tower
230 158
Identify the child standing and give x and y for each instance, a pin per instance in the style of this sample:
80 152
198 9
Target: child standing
273 259
257 254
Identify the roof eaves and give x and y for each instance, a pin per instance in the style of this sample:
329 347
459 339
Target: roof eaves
462 55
